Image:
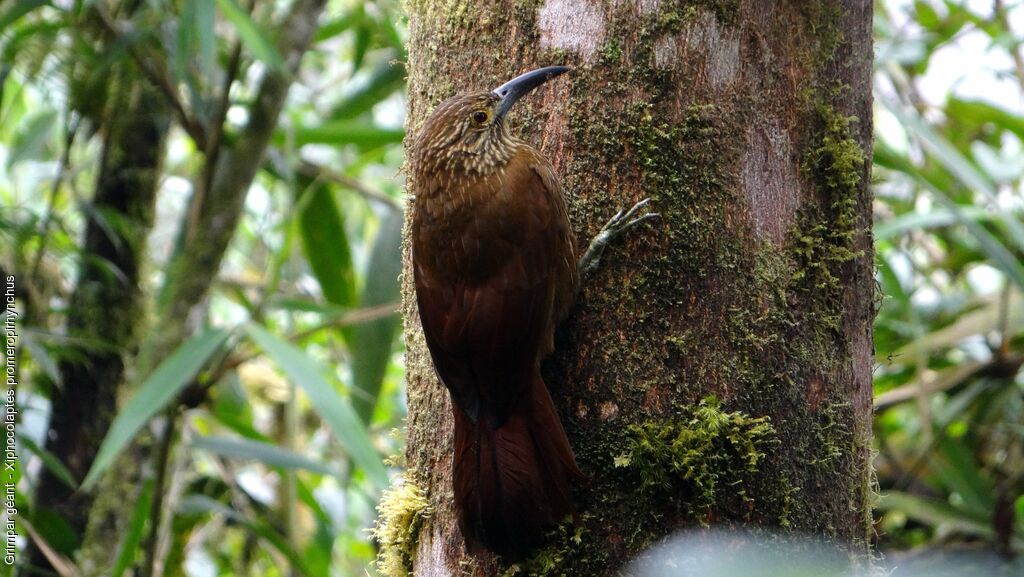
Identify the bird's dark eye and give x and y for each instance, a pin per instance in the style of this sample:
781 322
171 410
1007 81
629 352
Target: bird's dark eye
481 116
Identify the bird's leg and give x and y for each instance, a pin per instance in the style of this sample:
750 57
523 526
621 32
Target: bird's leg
618 224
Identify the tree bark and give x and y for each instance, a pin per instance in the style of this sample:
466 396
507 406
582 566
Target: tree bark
716 369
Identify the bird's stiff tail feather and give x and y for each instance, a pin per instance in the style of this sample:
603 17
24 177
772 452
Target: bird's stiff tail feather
511 481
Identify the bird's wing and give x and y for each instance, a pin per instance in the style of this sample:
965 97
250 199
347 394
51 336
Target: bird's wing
486 335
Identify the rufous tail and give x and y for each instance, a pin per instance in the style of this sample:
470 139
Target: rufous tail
512 481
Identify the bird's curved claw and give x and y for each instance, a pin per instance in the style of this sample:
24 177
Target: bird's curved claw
616 225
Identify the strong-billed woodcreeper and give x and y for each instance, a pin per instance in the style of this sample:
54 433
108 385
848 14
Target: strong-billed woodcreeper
495 272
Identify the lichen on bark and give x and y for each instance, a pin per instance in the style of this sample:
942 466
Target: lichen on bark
401 512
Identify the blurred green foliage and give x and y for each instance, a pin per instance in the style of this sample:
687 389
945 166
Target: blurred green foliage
280 464
949 231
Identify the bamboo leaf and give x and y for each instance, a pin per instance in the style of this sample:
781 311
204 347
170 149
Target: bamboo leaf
196 38
203 23
958 165
988 243
332 407
981 111
976 322
958 470
155 392
336 26
341 132
252 36
18 10
326 246
135 529
374 339
201 504
38 130
936 513
936 218
42 356
271 455
385 79
50 461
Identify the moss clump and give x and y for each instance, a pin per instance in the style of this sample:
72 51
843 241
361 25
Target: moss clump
555 559
611 51
700 452
673 16
401 510
824 240
662 474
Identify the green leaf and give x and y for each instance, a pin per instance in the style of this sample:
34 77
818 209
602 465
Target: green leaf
989 244
203 22
50 461
133 537
976 322
336 26
361 43
959 472
200 504
55 530
253 37
373 340
326 246
936 218
42 356
155 392
341 132
936 513
18 10
232 408
270 455
957 165
332 407
196 38
926 15
386 78
37 131
981 112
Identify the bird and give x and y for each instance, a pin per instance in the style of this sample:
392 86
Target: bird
495 271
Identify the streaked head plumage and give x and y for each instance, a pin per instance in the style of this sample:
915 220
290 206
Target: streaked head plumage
464 133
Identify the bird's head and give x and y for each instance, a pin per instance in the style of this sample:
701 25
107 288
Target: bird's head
467 131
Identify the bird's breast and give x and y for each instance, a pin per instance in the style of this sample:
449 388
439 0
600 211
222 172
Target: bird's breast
464 225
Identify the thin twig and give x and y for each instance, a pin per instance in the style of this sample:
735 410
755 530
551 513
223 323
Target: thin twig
156 508
44 227
61 564
212 148
1005 335
159 78
311 170
1015 53
955 378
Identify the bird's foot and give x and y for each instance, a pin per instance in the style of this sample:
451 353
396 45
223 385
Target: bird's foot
618 224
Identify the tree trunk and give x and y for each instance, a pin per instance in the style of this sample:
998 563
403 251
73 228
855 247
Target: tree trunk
204 237
107 304
716 369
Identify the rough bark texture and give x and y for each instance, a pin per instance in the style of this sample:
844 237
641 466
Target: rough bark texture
716 369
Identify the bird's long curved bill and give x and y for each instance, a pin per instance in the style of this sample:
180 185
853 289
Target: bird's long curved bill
521 85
